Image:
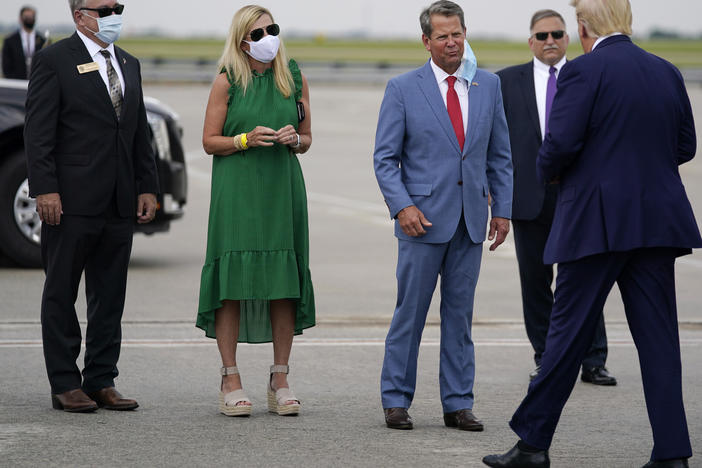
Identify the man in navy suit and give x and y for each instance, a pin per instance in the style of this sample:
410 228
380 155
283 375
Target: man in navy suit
527 91
621 123
436 160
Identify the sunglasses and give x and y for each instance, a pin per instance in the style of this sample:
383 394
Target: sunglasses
271 29
107 11
542 36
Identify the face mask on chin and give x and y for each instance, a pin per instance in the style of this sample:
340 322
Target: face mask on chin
265 49
109 28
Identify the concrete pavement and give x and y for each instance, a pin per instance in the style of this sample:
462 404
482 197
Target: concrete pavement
172 369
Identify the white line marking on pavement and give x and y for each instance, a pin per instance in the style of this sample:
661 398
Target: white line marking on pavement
323 342
693 262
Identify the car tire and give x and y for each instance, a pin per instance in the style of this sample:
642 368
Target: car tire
19 244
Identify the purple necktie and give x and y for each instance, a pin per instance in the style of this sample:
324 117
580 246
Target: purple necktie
550 93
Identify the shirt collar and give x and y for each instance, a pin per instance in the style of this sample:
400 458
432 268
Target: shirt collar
93 47
440 74
544 68
600 39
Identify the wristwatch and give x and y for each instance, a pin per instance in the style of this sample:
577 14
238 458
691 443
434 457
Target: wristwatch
297 145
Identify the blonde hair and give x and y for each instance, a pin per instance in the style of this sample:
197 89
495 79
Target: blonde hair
604 17
234 60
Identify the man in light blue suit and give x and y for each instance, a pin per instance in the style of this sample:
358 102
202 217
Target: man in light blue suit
442 146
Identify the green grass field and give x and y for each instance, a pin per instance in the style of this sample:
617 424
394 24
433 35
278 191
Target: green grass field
683 53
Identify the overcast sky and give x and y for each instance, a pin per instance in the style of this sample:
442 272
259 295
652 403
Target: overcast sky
382 19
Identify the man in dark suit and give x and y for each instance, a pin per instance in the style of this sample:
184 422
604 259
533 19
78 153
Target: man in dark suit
92 170
621 123
19 47
528 92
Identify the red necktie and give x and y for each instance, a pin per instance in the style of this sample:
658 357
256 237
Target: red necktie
454 111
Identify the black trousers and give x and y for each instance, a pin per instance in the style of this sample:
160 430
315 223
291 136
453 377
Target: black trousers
536 280
100 246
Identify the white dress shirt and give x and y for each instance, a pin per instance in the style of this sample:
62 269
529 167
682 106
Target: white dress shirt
600 39
29 40
460 86
94 52
541 74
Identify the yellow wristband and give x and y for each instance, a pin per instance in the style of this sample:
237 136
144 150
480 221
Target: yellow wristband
244 141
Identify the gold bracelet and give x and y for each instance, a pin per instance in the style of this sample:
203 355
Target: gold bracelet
244 141
237 143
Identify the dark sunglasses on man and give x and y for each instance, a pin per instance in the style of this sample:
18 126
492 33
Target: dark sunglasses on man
542 36
107 11
271 29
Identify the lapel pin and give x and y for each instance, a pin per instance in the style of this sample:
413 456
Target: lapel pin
475 83
124 61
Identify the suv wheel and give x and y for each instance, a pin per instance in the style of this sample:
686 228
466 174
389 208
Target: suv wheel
20 227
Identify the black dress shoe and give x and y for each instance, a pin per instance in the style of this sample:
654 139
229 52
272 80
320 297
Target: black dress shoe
517 458
535 372
397 418
463 419
598 376
675 463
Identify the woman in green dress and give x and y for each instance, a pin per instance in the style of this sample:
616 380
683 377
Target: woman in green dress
255 285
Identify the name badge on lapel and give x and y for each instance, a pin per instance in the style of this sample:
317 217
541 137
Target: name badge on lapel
88 67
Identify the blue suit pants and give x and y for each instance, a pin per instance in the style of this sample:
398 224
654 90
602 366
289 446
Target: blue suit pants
646 280
418 268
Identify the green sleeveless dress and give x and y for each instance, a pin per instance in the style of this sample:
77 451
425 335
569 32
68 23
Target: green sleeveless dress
257 236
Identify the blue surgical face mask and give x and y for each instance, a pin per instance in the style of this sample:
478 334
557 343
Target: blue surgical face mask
469 64
109 28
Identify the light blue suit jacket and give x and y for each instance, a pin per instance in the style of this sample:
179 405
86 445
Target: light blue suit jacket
418 160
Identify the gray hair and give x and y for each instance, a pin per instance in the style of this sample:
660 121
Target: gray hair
541 14
440 7
75 5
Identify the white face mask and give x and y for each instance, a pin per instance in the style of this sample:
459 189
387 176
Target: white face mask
265 49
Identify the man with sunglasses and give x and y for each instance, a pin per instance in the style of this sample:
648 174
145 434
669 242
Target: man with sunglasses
92 171
528 92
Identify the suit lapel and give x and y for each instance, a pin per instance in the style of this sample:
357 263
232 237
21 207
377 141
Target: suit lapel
527 85
476 98
130 81
430 89
81 56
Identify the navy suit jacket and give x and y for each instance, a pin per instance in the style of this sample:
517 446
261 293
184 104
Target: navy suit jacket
418 160
620 125
525 138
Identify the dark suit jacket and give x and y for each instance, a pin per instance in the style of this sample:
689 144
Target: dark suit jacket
74 142
13 60
525 138
620 125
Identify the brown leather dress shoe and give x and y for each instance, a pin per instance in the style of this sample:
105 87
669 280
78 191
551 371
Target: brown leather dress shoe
463 419
397 418
73 401
109 398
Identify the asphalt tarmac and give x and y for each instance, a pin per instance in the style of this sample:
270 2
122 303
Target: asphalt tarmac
172 369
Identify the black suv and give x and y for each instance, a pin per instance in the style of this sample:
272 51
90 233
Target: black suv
20 227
